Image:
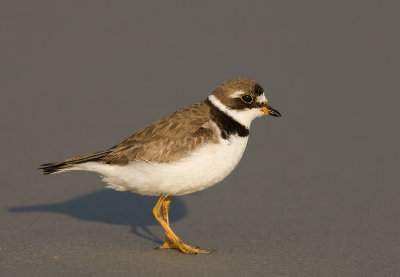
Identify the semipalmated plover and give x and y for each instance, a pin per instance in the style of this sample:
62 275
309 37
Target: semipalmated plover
184 152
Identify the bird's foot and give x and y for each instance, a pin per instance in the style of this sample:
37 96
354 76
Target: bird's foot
184 248
167 245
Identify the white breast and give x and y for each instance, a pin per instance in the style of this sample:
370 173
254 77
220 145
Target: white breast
205 167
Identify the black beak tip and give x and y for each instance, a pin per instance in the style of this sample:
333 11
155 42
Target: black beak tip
274 112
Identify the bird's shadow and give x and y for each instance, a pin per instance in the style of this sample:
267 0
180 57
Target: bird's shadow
113 207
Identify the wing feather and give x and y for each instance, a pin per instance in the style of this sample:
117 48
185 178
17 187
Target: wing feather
168 139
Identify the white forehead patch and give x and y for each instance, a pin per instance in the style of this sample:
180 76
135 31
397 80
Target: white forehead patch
261 99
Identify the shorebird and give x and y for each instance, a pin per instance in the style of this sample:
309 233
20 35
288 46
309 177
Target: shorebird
181 153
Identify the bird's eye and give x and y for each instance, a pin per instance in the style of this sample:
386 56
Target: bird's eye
247 98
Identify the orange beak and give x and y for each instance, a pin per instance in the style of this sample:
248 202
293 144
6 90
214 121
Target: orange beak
270 111
265 110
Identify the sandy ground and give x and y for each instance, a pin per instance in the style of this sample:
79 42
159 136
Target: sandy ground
316 193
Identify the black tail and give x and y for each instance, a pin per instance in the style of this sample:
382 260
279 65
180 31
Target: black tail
51 168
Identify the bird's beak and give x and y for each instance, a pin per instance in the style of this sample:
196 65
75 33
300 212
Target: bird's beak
271 111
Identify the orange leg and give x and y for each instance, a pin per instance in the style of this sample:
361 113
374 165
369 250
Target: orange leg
160 212
165 207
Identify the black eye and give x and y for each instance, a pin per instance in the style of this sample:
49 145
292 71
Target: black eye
247 98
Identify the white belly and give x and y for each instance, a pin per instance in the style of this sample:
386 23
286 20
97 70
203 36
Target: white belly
207 166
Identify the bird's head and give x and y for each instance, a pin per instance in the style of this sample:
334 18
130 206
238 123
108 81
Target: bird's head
243 100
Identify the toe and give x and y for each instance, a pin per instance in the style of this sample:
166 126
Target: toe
187 248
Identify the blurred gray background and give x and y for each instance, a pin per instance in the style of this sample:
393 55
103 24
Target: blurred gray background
316 193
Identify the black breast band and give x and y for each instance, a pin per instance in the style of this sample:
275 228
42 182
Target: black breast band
226 124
